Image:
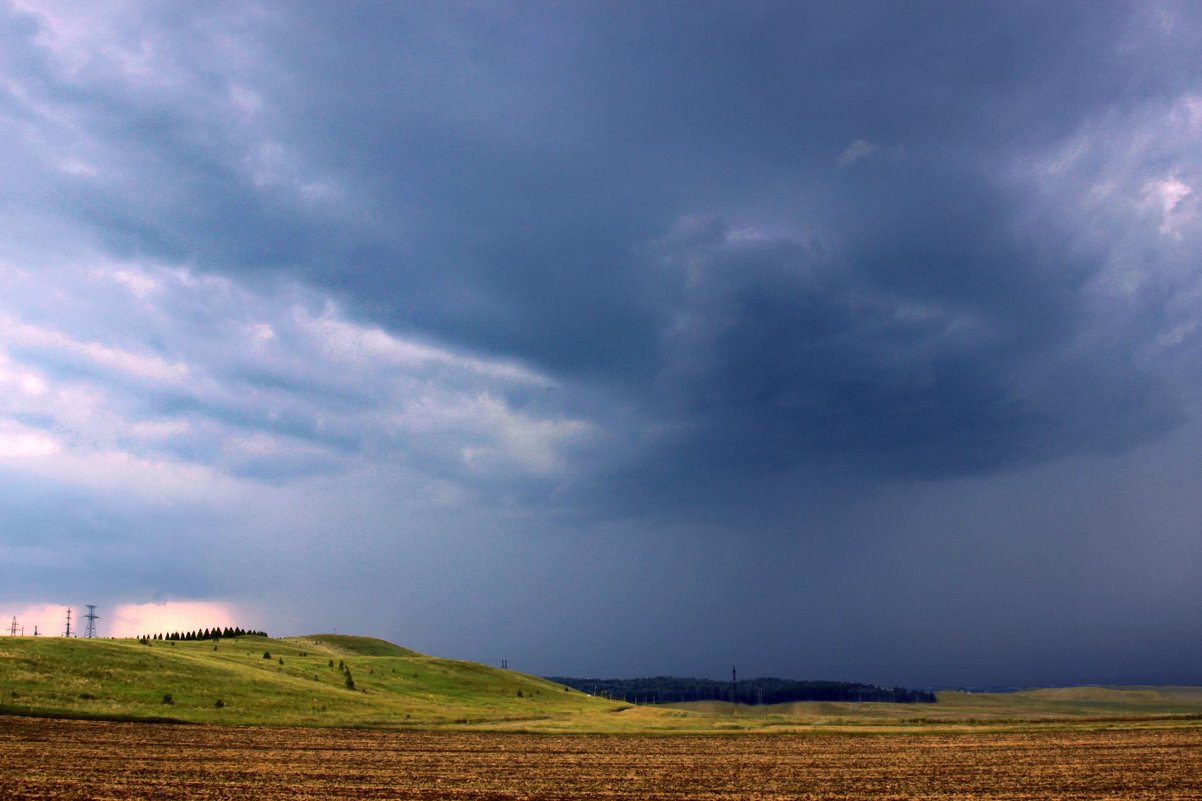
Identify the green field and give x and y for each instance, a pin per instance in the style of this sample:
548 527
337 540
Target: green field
1038 707
302 681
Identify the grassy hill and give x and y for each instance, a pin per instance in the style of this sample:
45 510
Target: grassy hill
302 681
257 680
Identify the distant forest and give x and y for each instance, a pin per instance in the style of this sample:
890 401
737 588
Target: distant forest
203 634
673 689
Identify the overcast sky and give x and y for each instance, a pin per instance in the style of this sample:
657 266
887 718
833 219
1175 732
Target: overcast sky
851 341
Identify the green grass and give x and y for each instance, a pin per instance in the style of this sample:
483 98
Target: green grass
302 682
352 645
1080 707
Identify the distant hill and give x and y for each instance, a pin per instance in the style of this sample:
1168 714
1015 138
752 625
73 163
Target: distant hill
674 689
357 646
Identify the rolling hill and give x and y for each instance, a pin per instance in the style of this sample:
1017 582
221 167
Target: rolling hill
318 680
328 680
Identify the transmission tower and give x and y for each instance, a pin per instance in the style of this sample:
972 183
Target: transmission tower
91 617
68 632
12 632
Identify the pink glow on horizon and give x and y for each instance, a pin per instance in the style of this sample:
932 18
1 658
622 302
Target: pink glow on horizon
126 620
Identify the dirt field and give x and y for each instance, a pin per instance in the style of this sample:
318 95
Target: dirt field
44 759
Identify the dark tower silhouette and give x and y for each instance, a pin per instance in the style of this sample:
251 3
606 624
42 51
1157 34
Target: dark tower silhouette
68 632
91 617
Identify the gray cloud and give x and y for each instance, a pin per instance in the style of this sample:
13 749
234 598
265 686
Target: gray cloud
550 311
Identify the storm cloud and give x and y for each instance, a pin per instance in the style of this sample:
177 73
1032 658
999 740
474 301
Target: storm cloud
852 342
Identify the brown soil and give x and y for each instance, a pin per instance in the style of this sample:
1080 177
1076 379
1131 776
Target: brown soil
68 760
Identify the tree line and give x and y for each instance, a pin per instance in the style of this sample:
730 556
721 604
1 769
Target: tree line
673 689
203 634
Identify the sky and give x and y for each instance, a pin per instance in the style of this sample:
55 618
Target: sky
854 341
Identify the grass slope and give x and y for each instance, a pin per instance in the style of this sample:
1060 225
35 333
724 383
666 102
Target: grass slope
301 681
295 681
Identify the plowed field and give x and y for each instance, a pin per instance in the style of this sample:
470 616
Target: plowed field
45 759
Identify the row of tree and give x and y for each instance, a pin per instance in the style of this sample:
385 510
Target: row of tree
203 634
673 689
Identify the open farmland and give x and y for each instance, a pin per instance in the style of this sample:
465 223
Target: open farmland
67 760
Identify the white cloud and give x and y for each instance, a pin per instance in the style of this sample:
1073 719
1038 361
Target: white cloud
136 281
138 365
259 384
1125 182
1166 196
348 341
859 149
79 168
19 443
23 381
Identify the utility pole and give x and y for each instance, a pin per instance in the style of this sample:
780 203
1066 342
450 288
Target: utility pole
91 617
734 683
68 634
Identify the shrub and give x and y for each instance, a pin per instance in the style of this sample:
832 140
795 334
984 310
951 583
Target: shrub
267 654
167 699
281 660
350 682
219 704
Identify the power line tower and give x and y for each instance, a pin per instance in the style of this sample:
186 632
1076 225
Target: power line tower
12 632
91 617
68 632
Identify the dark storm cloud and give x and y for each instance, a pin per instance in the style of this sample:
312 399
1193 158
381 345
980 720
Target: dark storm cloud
500 178
950 347
488 295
